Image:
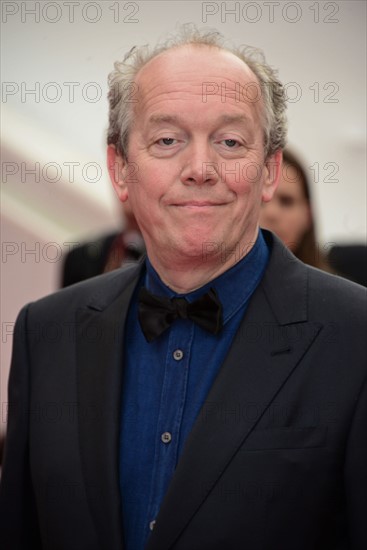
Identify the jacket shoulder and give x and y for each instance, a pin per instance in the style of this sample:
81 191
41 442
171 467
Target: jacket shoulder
335 293
97 292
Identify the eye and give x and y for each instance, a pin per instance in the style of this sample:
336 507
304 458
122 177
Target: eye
230 143
286 201
166 141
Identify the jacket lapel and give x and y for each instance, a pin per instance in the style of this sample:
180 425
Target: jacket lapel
100 330
272 339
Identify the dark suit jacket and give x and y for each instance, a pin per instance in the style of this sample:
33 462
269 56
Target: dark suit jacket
275 461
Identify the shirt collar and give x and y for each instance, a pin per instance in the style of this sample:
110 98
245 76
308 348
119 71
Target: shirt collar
234 287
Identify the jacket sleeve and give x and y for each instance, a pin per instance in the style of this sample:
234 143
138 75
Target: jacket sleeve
356 474
18 516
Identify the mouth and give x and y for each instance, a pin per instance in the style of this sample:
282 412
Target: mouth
198 204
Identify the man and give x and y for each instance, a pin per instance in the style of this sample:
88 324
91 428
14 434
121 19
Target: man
213 397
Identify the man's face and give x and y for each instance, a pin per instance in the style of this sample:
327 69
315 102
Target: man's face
196 171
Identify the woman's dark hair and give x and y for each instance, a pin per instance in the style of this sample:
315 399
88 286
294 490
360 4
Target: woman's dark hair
308 249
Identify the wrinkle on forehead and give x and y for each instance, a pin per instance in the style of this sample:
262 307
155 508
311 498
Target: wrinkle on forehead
197 53
183 72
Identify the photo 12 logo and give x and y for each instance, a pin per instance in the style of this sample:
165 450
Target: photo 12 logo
252 92
71 12
269 12
69 92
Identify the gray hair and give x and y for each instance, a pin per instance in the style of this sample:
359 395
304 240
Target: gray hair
122 86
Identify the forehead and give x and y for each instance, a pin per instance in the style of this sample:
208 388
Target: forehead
190 59
201 72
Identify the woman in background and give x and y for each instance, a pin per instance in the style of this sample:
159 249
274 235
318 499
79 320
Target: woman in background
289 214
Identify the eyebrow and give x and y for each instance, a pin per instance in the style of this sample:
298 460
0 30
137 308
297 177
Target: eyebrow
174 119
229 119
158 119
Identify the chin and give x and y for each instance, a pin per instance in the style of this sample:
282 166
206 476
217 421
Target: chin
189 250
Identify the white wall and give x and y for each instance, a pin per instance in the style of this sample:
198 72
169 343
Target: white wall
321 52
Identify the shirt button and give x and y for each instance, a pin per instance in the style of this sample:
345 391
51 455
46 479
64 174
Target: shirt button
151 525
166 437
178 354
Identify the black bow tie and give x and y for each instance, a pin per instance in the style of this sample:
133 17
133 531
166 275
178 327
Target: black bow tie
157 313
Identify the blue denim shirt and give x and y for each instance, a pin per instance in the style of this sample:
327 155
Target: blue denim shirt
165 385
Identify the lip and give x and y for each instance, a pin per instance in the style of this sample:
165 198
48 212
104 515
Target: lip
198 204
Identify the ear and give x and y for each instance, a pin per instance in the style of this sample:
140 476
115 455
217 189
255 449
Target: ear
272 175
117 169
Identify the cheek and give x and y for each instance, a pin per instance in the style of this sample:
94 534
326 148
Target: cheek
296 223
244 176
248 188
302 219
252 174
144 187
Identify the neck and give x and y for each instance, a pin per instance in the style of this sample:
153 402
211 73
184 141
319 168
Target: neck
186 275
131 225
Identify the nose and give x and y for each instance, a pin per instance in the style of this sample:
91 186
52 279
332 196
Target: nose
199 166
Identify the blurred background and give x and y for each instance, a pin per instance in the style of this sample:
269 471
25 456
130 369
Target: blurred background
55 61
